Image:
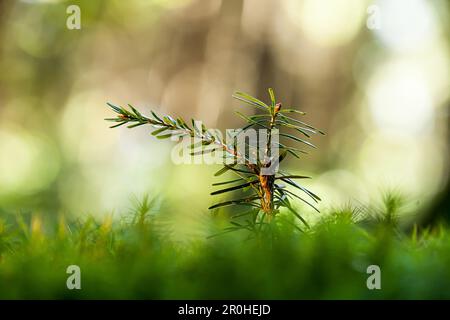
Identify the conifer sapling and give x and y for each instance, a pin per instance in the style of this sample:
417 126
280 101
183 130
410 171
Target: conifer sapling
261 181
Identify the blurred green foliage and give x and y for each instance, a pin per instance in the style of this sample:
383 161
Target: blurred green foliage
133 258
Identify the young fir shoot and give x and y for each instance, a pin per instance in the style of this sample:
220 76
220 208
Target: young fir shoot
263 193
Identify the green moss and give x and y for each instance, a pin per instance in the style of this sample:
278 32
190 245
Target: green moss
134 258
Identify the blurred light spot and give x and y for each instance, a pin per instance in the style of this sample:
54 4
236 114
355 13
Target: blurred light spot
108 160
406 24
400 100
27 163
435 61
351 188
327 23
411 164
82 127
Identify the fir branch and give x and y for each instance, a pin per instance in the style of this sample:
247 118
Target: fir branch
267 195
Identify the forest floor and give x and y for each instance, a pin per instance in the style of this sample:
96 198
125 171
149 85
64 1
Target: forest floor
132 258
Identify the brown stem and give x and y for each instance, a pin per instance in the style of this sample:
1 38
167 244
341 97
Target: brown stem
267 181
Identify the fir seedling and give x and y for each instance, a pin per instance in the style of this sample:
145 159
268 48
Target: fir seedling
264 191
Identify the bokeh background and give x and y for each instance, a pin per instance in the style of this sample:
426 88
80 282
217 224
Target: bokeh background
375 75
